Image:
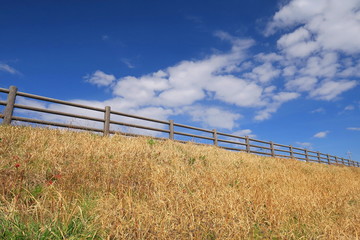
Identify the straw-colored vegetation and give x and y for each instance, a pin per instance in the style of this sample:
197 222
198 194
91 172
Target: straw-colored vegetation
66 185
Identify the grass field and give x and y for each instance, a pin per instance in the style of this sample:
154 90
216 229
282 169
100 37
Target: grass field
66 185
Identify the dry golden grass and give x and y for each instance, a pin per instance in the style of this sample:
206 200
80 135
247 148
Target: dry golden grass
66 185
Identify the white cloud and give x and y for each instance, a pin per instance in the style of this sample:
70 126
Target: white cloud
289 71
278 100
350 69
353 128
325 65
318 110
349 108
333 24
321 134
331 89
236 91
297 43
270 57
319 46
301 84
6 68
301 49
213 116
263 73
142 90
180 96
186 82
301 34
127 62
285 96
212 78
304 144
100 78
244 132
296 12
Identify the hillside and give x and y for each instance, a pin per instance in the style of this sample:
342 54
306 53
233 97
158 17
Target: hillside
57 184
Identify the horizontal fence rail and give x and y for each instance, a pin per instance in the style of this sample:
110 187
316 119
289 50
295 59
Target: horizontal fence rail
109 119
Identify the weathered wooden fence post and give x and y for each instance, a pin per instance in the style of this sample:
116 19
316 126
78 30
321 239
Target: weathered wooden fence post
328 159
171 128
318 156
272 149
336 160
107 121
215 137
306 155
247 142
291 151
9 109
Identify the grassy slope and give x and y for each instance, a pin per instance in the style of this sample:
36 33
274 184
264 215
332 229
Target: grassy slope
67 185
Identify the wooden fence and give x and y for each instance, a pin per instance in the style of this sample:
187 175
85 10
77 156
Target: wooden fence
173 131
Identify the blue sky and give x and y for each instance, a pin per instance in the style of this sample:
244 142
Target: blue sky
286 71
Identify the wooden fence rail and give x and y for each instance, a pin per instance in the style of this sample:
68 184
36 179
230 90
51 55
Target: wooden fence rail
172 129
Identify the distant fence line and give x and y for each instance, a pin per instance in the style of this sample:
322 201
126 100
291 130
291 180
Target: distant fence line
172 129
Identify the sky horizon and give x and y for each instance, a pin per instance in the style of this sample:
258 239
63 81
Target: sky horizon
282 71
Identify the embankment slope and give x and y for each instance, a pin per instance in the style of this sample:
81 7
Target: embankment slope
57 184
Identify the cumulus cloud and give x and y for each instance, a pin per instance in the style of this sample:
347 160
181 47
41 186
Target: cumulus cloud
323 65
321 134
277 101
141 90
236 91
295 12
350 68
332 24
297 43
100 78
213 116
318 45
263 73
328 90
244 132
301 83
215 77
226 77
